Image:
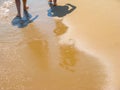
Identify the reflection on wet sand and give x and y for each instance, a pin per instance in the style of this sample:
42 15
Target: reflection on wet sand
32 63
37 45
38 61
60 28
86 69
68 57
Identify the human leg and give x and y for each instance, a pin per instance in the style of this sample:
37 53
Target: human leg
25 7
55 2
18 5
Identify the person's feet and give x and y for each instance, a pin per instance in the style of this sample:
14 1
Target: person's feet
50 3
16 20
26 7
50 0
26 16
18 16
54 4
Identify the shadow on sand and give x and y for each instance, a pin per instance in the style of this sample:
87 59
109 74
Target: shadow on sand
24 21
61 11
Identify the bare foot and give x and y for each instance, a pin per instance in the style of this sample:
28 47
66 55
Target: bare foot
54 4
19 16
50 3
26 8
50 0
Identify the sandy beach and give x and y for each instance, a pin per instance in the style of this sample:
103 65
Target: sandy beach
74 46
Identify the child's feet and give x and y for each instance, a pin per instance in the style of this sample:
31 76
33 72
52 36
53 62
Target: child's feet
26 16
54 4
50 3
26 7
18 16
16 20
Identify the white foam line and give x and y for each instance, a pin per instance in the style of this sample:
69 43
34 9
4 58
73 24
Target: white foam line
5 8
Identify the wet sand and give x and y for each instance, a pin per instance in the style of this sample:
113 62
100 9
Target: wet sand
77 49
97 32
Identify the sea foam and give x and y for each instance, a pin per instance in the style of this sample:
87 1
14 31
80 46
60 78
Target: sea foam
5 8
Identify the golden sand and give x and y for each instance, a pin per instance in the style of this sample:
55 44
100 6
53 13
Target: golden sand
77 50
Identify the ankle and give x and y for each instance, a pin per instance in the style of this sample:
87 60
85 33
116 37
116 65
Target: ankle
25 7
18 15
55 4
50 0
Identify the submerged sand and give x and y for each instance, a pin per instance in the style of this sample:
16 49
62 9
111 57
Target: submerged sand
74 50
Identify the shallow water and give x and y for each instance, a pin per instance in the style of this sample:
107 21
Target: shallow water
62 50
